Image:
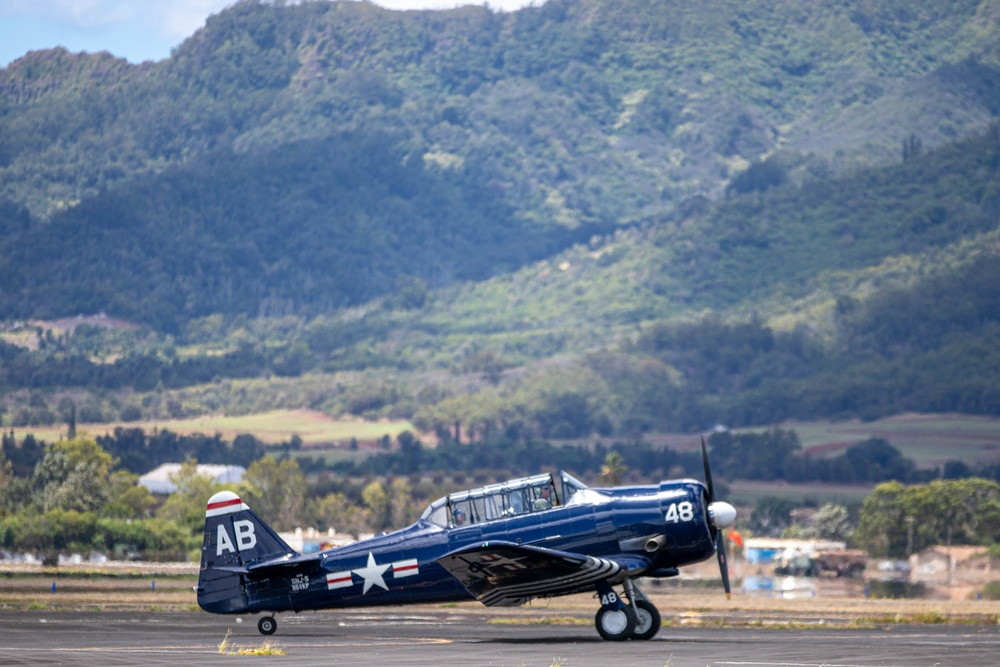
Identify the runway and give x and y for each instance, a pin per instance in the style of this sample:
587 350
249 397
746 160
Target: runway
439 637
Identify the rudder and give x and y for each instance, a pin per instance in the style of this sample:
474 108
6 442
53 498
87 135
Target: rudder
235 538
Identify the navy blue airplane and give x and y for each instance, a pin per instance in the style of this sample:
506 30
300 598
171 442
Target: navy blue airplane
502 544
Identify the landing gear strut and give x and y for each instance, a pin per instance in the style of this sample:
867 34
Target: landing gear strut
267 625
647 620
647 616
619 618
615 620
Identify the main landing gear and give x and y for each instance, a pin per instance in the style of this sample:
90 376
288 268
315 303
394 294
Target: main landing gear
619 619
267 625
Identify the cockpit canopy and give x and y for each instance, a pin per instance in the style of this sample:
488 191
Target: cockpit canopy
498 501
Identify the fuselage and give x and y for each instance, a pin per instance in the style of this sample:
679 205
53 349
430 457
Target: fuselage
658 527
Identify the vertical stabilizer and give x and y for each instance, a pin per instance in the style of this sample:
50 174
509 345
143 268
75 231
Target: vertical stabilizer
235 538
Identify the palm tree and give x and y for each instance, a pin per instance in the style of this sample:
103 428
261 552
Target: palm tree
614 469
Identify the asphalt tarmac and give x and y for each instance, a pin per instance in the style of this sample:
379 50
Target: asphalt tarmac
439 638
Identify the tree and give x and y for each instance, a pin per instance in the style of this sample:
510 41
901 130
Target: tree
833 522
86 450
14 492
954 469
127 498
71 423
875 460
276 491
401 509
882 527
72 475
758 177
186 506
6 471
614 469
753 455
15 495
968 509
896 520
912 147
336 511
376 500
410 452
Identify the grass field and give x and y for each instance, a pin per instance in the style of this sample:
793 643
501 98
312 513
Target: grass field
929 439
314 428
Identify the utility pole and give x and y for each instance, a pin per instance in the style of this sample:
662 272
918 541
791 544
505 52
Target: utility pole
909 536
950 562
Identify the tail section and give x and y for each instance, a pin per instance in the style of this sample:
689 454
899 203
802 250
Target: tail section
235 539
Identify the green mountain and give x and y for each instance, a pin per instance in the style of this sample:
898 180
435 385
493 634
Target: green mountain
521 133
588 216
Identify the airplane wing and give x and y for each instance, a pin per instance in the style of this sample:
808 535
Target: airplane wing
507 574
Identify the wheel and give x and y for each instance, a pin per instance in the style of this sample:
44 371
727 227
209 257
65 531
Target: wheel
615 625
647 620
267 625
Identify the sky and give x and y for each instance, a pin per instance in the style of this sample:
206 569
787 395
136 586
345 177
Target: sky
137 30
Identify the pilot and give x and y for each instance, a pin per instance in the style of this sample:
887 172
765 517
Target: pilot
459 516
544 500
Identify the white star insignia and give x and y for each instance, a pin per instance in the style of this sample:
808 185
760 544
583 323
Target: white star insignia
372 574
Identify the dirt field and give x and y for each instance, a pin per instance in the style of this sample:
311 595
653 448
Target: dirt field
929 439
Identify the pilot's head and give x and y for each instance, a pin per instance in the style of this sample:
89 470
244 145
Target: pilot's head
546 491
459 517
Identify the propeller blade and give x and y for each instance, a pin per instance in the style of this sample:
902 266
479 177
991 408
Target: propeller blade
720 538
708 471
720 548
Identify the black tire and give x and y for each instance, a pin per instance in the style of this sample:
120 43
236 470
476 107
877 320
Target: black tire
615 625
267 625
647 621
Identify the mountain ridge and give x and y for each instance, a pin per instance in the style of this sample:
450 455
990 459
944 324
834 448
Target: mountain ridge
527 206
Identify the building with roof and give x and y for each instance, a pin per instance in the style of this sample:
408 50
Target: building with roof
764 550
943 563
159 480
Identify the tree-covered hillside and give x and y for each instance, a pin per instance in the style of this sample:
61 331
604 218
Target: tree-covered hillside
301 228
806 320
356 123
584 217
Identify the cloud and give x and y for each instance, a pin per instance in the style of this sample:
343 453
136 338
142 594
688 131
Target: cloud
139 29
505 5
180 18
170 18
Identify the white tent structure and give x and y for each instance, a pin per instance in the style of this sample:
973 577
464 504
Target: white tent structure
158 480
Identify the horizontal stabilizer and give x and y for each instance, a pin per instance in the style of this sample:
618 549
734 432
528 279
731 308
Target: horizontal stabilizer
283 562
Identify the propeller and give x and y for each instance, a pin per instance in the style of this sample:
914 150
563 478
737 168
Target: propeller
721 515
720 550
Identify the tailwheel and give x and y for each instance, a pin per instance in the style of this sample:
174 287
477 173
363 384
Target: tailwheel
267 625
647 621
615 625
